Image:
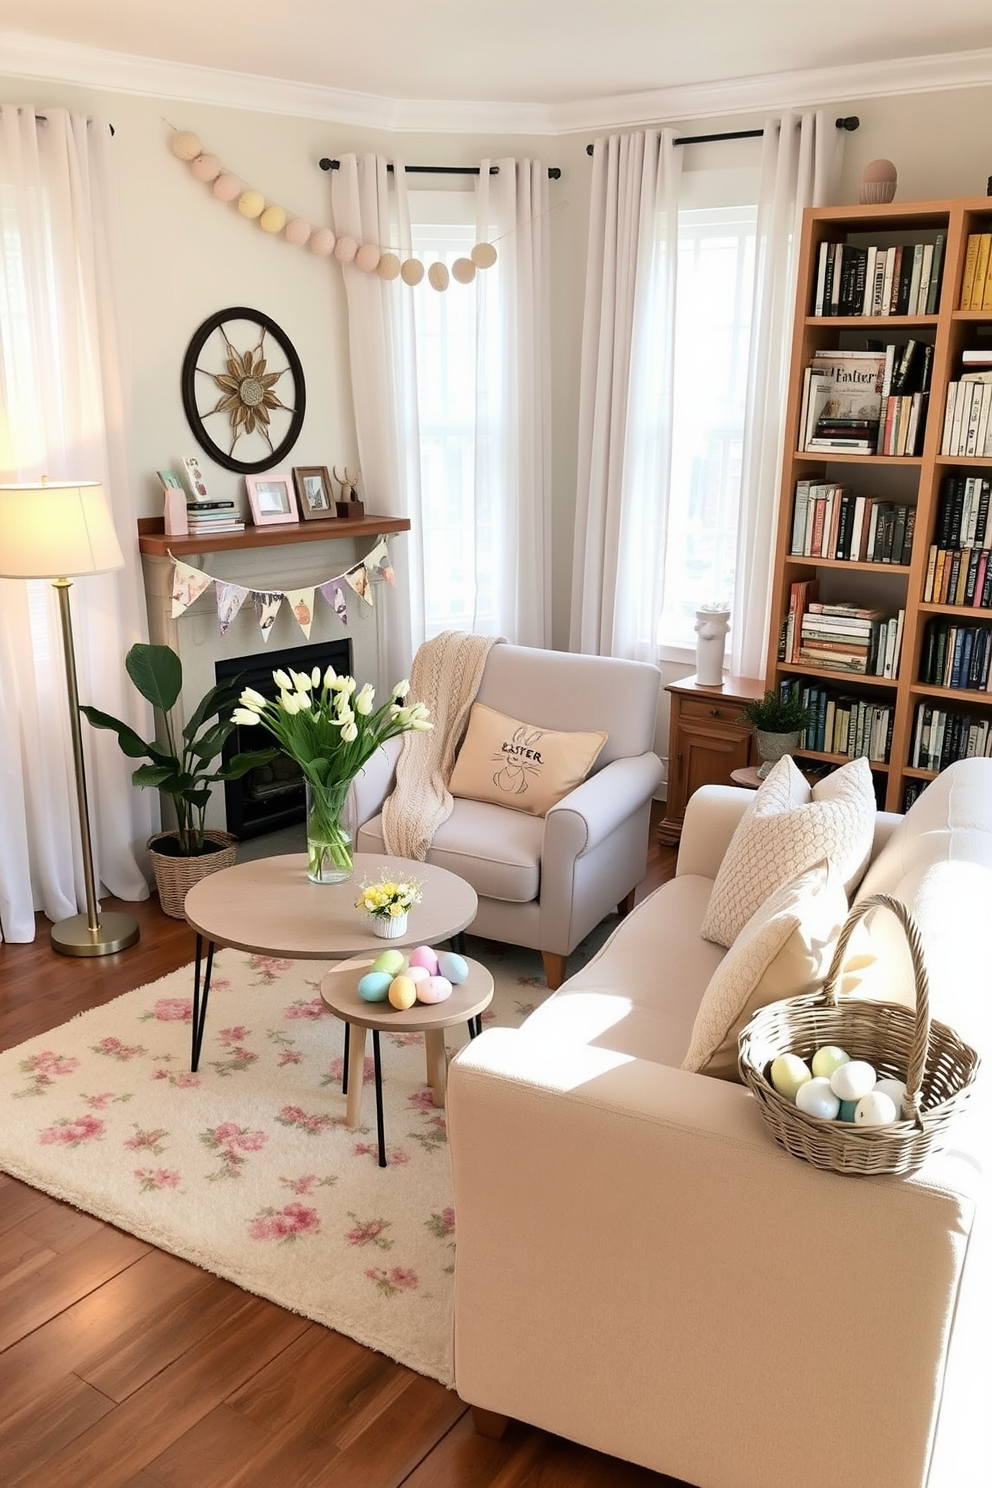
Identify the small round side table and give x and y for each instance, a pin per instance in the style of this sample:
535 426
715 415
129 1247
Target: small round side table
339 991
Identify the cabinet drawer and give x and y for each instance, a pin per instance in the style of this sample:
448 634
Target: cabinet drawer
699 710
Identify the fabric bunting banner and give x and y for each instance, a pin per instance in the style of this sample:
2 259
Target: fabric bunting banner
189 583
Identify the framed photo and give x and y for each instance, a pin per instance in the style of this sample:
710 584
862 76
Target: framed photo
313 488
271 499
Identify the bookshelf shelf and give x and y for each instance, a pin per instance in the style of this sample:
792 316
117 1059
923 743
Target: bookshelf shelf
919 483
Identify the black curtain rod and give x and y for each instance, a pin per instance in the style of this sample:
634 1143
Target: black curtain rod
554 171
850 123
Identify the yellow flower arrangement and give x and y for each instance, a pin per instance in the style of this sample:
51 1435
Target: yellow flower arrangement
387 900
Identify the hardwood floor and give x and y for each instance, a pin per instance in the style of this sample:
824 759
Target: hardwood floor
124 1367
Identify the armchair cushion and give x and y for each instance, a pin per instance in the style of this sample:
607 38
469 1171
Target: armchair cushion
785 830
496 851
784 950
520 765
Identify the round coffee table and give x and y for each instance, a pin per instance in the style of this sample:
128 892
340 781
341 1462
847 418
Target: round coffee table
339 991
268 906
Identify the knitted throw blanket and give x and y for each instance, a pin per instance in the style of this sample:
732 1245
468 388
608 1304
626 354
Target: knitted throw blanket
446 675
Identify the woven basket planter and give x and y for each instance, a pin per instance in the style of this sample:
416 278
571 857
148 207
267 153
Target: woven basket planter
175 876
937 1067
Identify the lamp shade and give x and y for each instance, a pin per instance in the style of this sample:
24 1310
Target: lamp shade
55 530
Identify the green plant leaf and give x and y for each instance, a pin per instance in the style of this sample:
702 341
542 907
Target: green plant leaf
156 672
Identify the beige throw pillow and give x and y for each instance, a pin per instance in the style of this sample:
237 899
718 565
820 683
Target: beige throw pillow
785 829
784 950
520 765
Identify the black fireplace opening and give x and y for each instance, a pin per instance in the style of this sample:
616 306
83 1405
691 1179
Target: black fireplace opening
272 796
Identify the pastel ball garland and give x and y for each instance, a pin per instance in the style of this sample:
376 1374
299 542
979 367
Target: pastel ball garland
368 258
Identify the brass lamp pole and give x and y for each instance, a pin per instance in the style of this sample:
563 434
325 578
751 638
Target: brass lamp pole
55 530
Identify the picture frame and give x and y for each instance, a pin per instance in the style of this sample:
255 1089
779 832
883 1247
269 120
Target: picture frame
313 491
271 499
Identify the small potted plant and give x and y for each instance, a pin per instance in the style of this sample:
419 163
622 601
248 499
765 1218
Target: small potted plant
182 766
778 725
388 903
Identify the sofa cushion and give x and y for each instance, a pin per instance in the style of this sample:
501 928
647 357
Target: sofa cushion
785 830
520 765
784 950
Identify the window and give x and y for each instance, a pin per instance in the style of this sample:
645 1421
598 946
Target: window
713 325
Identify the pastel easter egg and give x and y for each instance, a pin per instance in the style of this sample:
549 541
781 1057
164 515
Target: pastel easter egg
817 1099
452 966
847 1110
391 962
788 1072
852 1080
874 1109
424 956
896 1091
827 1059
435 989
402 992
417 974
374 986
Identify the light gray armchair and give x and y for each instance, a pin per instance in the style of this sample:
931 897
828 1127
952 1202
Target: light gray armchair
546 882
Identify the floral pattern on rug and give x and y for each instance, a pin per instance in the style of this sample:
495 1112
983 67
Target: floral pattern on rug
246 1167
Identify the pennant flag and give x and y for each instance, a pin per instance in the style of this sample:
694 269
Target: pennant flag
267 608
334 594
359 581
378 562
187 585
230 598
301 603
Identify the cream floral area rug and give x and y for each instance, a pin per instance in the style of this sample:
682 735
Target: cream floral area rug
246 1168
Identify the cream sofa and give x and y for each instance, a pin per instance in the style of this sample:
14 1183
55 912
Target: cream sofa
641 1268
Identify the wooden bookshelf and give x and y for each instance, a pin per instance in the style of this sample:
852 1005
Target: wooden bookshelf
917 479
153 541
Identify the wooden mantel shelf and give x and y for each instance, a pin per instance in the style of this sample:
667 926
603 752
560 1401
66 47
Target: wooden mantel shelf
153 541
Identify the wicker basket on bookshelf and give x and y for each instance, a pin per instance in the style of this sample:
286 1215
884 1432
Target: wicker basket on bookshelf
902 1044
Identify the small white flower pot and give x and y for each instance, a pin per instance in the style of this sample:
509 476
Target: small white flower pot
389 927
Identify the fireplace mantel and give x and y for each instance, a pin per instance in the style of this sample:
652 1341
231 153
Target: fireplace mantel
153 542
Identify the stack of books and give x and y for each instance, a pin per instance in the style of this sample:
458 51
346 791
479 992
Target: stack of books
842 401
831 521
211 517
848 638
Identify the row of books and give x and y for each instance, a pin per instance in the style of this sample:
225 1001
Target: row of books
976 282
903 279
940 738
867 401
831 521
959 576
840 723
840 637
967 417
956 656
963 512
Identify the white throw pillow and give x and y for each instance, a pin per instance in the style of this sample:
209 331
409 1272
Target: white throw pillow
784 950
785 829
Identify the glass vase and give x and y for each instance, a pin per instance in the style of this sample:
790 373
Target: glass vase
329 850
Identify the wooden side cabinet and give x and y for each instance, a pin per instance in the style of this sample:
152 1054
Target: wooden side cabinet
706 742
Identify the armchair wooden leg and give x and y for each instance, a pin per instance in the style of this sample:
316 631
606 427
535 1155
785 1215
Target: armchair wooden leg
489 1423
626 905
554 969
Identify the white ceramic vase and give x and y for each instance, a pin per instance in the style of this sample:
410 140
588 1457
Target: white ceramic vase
389 927
712 625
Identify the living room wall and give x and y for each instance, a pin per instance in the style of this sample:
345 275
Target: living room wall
186 255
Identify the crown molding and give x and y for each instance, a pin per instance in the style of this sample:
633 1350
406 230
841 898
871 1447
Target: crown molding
66 62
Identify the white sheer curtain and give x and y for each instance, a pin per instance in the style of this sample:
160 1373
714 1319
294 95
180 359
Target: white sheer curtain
626 409
510 490
625 412
62 414
800 162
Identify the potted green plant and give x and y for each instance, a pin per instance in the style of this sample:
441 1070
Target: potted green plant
183 767
778 725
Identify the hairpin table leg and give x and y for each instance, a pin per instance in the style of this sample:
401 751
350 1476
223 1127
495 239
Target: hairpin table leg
380 1129
344 1062
200 999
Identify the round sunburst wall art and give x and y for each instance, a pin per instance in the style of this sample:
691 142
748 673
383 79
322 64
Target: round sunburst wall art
243 390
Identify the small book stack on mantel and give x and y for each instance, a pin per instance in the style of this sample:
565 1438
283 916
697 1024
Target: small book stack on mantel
189 511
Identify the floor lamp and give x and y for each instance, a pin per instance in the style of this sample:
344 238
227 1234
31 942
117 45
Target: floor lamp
59 530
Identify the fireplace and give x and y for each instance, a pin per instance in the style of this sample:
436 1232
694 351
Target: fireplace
271 797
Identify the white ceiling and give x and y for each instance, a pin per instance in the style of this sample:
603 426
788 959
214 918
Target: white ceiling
551 53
